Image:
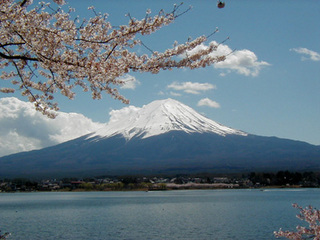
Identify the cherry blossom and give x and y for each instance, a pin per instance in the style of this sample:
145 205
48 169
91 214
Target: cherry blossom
312 217
44 51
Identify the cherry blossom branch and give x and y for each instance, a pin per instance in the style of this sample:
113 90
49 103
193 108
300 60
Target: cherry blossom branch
18 57
63 53
312 217
23 3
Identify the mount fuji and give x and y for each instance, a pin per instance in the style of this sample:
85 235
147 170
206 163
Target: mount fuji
160 117
163 137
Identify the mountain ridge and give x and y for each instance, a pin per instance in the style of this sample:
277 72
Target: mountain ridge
165 137
159 117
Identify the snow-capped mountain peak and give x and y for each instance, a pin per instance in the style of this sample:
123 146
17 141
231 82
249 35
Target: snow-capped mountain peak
159 117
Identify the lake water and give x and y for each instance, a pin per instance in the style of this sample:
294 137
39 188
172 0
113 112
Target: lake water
192 214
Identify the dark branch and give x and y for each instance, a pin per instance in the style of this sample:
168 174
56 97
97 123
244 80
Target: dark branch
114 47
11 44
146 47
23 3
18 57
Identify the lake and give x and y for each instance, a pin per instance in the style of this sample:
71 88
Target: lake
184 214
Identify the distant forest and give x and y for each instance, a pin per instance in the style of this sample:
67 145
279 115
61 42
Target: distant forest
282 178
250 180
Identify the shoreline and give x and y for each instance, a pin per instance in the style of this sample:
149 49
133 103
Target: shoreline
169 188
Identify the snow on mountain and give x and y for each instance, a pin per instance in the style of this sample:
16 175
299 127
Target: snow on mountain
159 117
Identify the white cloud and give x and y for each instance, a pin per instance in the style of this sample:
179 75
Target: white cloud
175 94
209 103
191 87
118 115
244 62
130 82
24 129
307 54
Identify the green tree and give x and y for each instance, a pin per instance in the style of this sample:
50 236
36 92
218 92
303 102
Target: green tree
86 186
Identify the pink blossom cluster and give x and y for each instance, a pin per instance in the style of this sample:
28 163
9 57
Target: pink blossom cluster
312 217
44 51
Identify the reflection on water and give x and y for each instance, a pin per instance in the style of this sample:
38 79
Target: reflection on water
191 214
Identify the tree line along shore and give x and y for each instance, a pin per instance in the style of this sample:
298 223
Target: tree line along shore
129 183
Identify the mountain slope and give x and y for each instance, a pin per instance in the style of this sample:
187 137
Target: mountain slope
164 137
160 117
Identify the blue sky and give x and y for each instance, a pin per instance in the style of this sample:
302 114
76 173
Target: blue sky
269 86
